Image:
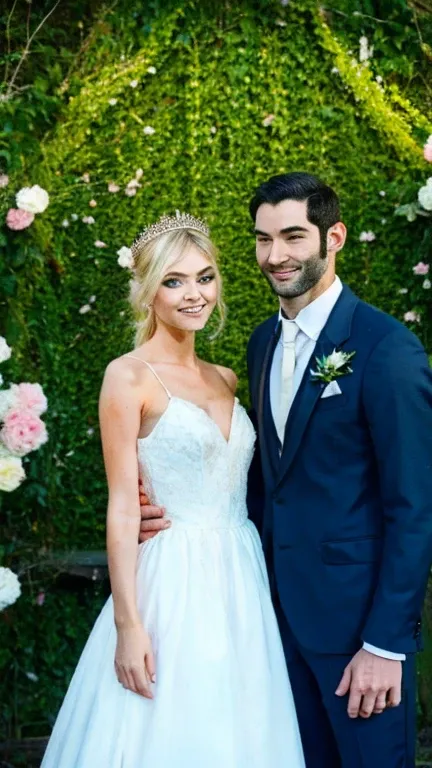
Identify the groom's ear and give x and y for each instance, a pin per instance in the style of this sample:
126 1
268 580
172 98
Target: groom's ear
336 236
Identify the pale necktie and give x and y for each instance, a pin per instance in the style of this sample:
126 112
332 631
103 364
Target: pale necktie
288 339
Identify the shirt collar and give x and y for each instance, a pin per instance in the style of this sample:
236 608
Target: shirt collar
312 318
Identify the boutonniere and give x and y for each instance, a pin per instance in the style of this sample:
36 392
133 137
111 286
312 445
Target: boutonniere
331 367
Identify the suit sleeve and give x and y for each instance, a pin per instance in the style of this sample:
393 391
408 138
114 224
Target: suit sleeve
397 397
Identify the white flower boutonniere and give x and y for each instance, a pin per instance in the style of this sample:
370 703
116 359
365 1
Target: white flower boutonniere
331 367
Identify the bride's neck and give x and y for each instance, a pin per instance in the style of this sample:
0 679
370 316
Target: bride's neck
175 346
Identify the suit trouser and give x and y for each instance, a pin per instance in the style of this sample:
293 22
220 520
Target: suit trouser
330 738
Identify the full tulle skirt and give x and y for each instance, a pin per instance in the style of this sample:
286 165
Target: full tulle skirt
222 697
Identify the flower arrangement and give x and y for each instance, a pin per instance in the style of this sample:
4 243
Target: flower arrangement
21 428
29 201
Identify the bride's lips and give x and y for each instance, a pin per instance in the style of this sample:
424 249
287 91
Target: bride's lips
192 311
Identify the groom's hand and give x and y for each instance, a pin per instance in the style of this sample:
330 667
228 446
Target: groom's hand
152 518
374 683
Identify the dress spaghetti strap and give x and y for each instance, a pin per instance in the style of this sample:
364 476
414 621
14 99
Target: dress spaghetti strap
153 372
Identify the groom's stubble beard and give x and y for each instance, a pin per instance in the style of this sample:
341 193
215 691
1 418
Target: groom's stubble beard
312 270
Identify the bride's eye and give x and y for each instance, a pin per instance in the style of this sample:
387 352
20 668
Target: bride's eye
207 279
172 282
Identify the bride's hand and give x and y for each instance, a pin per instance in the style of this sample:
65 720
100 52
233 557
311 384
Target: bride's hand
134 660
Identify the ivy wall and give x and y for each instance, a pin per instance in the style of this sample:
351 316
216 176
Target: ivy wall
204 101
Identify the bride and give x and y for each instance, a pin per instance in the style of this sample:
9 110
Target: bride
184 667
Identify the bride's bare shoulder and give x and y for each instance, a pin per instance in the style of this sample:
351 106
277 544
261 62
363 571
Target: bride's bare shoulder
129 368
229 376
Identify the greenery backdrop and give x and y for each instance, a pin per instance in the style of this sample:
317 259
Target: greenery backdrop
207 100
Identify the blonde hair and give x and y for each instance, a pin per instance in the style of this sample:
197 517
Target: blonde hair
152 261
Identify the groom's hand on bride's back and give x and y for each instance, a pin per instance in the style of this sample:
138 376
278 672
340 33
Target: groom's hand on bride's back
153 519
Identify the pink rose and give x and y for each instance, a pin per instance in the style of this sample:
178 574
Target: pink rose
23 432
17 219
427 150
421 268
29 397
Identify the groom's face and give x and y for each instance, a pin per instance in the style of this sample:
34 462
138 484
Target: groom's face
288 247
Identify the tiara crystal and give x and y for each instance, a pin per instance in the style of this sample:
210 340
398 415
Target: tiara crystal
169 224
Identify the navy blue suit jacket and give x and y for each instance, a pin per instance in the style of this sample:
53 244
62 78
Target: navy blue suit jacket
345 514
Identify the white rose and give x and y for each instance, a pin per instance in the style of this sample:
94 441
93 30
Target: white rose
32 199
10 588
11 473
425 195
7 399
336 359
125 258
5 350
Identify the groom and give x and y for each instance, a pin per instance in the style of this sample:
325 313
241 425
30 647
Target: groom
341 486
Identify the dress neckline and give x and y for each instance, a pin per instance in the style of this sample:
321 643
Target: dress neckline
193 405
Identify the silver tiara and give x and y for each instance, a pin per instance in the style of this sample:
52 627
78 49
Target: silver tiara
169 224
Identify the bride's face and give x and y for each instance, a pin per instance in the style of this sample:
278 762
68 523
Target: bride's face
188 292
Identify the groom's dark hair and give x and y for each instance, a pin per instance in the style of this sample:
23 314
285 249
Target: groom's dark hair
322 202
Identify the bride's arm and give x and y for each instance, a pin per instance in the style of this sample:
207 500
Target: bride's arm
120 406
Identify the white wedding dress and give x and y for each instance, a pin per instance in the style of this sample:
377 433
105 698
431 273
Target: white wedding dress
222 697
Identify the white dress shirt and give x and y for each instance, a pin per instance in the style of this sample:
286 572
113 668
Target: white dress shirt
311 321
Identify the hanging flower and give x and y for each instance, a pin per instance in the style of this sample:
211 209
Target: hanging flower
65 223
151 70
88 220
100 244
92 203
133 83
427 284
139 173
268 120
130 192
4 180
86 178
367 237
365 51
84 309
149 130
17 219
427 150
5 350
412 317
40 599
125 258
112 102
421 268
113 187
425 195
74 216
10 587
32 199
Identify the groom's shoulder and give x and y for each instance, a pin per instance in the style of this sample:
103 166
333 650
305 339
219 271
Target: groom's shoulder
375 324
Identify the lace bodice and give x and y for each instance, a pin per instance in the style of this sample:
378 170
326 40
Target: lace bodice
188 466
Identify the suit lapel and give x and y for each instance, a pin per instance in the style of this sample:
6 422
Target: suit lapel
336 331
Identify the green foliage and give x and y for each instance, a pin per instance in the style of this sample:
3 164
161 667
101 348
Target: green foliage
240 92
